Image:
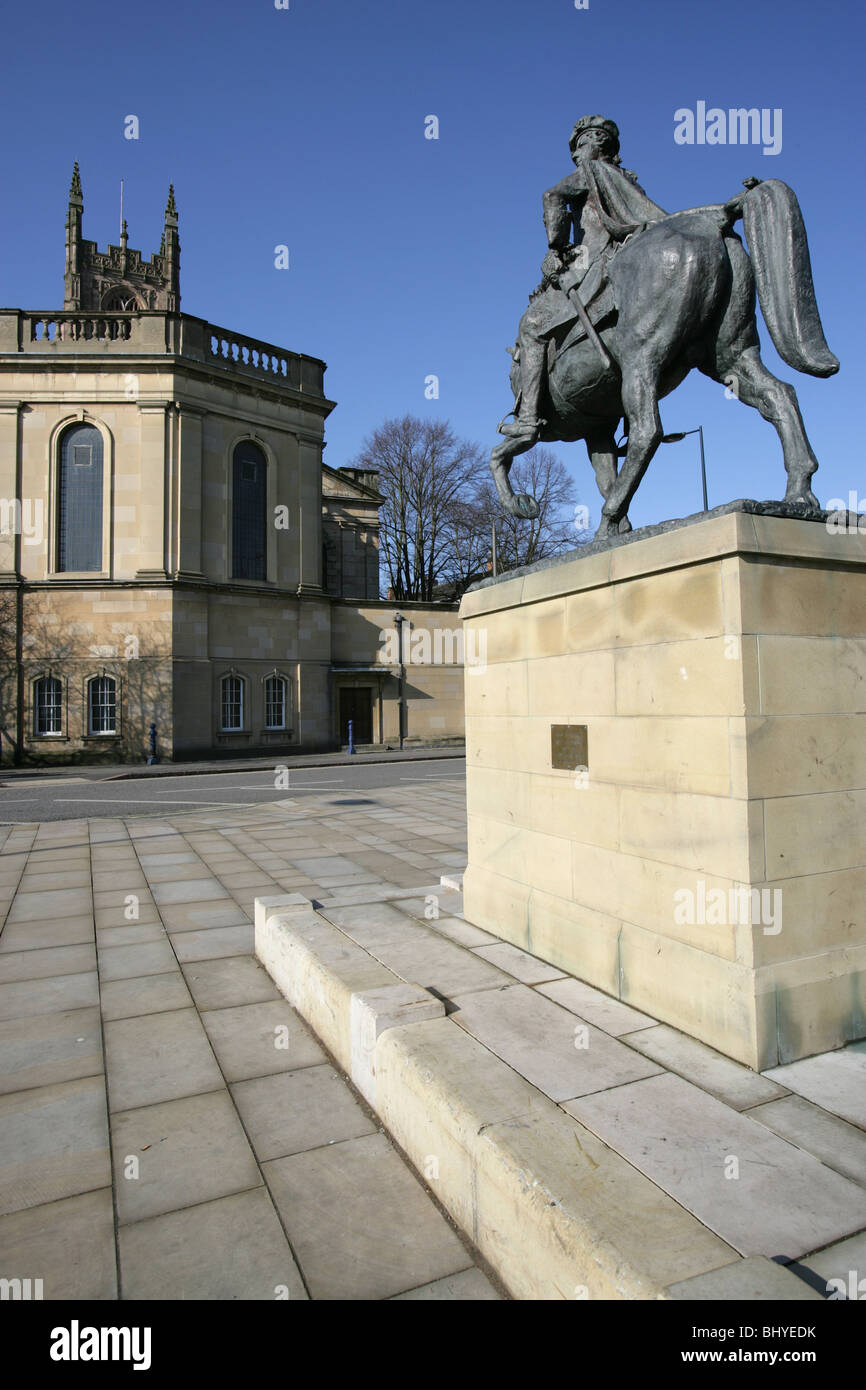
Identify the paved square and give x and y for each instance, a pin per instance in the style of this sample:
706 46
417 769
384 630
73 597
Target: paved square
137 935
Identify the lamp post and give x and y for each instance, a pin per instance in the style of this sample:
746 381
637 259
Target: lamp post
399 620
675 439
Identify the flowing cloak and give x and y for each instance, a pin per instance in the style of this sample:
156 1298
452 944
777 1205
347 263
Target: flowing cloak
620 202
622 208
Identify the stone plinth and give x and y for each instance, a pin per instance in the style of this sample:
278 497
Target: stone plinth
705 861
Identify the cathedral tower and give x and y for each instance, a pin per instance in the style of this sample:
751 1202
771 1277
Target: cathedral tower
120 278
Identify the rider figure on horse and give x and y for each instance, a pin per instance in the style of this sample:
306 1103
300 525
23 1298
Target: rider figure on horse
604 204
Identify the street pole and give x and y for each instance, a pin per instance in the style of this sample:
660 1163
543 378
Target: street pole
703 468
675 439
399 620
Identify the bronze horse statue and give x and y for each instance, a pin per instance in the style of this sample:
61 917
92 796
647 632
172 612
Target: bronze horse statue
683 296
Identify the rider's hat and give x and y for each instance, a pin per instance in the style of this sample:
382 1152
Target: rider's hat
594 122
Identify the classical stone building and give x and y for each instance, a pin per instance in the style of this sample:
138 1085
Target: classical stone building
173 550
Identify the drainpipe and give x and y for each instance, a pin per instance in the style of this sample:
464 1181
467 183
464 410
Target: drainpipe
399 620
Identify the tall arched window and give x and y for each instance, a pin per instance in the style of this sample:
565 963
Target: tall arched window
232 690
47 705
275 702
79 500
249 501
102 705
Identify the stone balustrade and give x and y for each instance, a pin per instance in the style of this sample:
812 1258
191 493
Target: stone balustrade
156 332
75 327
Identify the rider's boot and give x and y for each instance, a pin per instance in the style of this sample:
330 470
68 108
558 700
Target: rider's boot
527 424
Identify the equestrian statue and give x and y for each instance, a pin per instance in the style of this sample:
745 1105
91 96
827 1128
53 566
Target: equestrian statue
632 298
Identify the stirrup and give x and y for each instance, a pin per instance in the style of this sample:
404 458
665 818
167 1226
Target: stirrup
519 426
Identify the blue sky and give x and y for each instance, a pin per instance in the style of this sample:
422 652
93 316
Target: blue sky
409 256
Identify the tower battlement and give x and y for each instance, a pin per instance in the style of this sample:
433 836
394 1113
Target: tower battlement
119 278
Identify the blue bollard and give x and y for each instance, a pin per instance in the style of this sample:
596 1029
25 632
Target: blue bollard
351 736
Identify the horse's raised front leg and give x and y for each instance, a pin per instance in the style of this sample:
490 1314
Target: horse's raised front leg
501 459
641 408
777 402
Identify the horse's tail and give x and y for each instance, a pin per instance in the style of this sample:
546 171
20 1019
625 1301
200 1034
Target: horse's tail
779 250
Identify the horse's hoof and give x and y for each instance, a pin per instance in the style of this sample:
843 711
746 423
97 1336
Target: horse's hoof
624 526
804 498
525 506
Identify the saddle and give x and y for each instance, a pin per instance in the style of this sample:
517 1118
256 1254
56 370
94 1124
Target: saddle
563 327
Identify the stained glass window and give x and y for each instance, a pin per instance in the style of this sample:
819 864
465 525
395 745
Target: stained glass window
79 500
249 528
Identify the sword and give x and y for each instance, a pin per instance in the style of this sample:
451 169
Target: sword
588 328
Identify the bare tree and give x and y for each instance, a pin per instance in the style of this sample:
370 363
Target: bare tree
425 472
561 523
468 545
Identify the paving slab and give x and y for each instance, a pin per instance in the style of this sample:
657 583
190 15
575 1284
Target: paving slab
53 1143
183 1254
752 1280
120 878
524 967
210 945
835 1080
227 981
461 932
68 1244
846 1261
414 952
57 960
360 1222
37 936
49 1049
545 1044
189 1151
145 994
118 916
40 880
189 890
260 1039
834 1141
27 998
222 913
735 1084
150 859
128 962
175 873
294 1111
777 1201
118 897
158 1057
593 1006
468 1285
130 934
58 902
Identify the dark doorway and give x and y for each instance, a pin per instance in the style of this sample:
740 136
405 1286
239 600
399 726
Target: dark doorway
357 705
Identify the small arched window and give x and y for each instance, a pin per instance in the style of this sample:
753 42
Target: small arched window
122 300
79 500
232 701
47 705
102 705
275 702
249 526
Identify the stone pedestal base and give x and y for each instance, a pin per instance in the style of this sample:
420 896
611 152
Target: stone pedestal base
666 777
